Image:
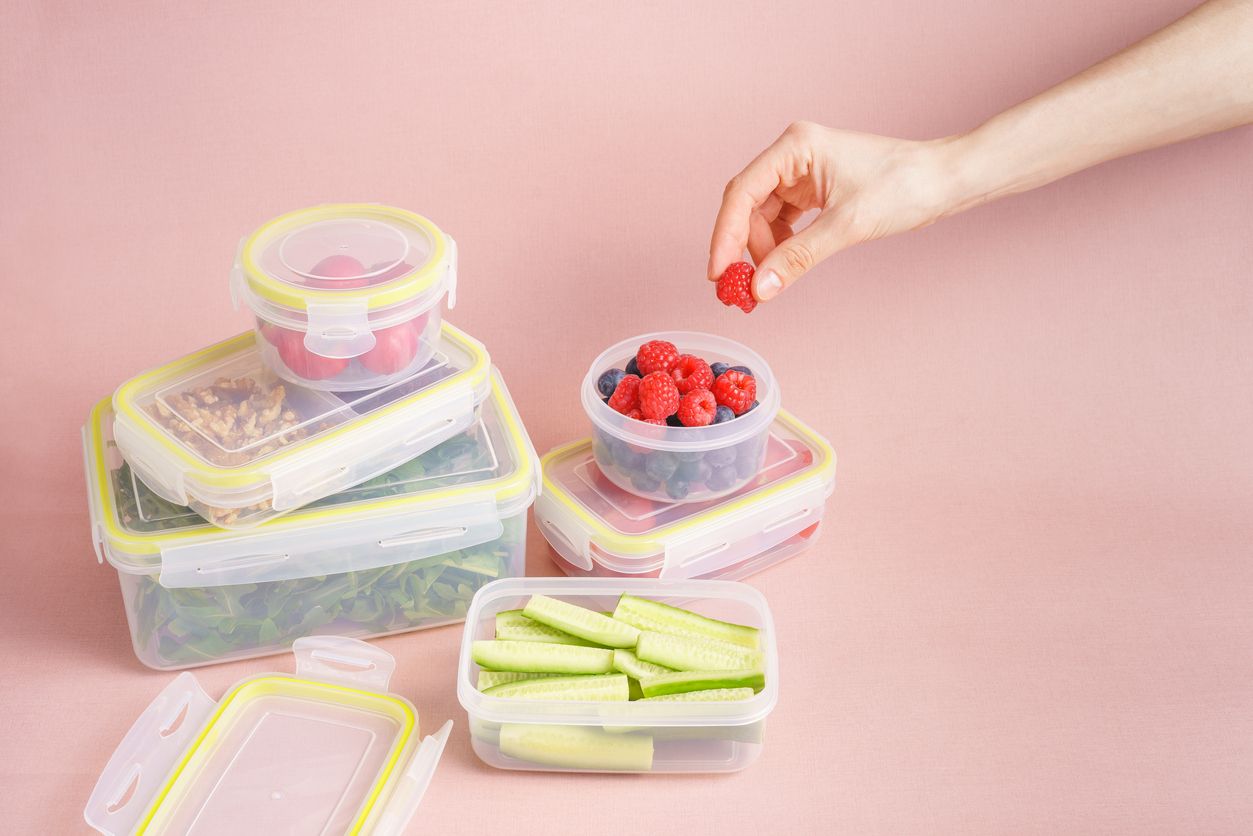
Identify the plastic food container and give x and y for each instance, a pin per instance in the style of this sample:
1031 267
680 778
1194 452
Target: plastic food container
682 736
219 432
681 464
404 551
327 750
346 296
597 528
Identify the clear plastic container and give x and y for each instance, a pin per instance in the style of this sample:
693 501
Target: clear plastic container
346 296
597 528
666 736
404 551
681 464
326 750
217 431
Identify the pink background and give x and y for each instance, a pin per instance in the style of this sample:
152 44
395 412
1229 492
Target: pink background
1032 609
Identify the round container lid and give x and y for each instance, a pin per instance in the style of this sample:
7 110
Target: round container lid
349 252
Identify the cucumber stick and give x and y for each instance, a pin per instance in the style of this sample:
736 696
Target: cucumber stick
578 621
663 618
680 682
692 654
512 625
576 747
608 688
631 665
540 657
489 678
715 695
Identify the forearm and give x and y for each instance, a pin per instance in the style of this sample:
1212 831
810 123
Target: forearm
1192 78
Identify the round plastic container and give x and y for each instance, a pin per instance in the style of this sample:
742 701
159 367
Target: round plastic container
346 296
681 464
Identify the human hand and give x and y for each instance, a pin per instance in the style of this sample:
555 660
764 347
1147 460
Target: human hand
863 186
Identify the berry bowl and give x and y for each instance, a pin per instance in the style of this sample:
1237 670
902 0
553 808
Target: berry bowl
347 297
698 436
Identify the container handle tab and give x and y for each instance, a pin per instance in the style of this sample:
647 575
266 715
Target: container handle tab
344 661
413 783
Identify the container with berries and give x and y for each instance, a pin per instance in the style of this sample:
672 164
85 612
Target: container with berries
347 297
680 416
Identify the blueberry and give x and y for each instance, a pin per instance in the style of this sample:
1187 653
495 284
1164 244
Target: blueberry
633 368
647 484
718 369
626 456
673 421
723 414
743 369
692 471
754 405
720 456
721 478
608 382
601 452
660 465
746 467
690 455
676 489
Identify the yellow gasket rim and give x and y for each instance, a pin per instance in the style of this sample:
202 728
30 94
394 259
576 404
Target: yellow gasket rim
382 296
639 545
504 488
358 696
252 475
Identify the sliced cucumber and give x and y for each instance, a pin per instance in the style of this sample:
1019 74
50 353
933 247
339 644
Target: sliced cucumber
680 682
577 747
578 621
714 695
634 691
607 688
632 665
663 618
539 657
691 654
488 679
512 625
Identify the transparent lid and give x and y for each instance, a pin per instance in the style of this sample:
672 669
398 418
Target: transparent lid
377 255
604 523
327 750
220 427
492 462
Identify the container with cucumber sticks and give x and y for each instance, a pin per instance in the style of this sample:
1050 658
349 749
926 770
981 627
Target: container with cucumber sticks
403 551
597 528
618 675
326 750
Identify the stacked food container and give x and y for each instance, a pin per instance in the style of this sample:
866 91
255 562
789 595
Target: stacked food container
352 466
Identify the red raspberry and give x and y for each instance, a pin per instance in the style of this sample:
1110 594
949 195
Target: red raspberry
697 408
659 397
635 413
735 286
690 373
735 390
627 396
656 356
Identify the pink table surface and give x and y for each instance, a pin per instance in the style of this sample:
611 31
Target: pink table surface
1032 609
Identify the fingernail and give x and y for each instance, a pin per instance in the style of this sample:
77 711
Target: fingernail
768 285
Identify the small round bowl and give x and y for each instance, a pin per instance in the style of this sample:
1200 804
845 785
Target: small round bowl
681 464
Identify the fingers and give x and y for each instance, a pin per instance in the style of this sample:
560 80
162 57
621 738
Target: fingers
796 255
747 191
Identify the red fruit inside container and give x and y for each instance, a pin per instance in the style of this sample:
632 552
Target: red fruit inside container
394 347
303 362
338 272
274 333
386 274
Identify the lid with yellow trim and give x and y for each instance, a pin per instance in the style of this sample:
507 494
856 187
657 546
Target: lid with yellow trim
326 750
451 497
597 528
219 432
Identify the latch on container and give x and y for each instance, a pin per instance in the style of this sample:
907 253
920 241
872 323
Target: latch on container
343 661
338 329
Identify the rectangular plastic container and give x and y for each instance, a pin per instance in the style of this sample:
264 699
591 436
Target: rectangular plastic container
682 736
404 551
597 528
219 432
327 750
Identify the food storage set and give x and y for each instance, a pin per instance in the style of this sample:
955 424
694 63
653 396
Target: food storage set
326 750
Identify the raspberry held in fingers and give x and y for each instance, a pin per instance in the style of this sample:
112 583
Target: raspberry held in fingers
735 286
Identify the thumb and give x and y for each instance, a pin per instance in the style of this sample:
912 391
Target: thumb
795 257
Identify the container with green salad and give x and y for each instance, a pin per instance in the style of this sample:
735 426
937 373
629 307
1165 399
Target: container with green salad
403 551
